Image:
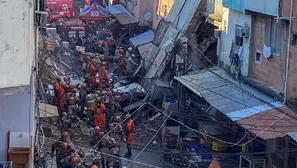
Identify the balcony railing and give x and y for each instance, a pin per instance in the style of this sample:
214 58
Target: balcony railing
5 164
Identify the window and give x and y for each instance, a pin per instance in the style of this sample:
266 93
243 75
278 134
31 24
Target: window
294 40
272 35
258 57
72 34
81 34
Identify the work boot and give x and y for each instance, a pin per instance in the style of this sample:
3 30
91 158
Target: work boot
128 154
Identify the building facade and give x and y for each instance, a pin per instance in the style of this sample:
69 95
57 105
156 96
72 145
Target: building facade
17 62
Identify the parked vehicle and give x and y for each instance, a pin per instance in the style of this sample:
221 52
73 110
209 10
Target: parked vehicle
74 29
59 10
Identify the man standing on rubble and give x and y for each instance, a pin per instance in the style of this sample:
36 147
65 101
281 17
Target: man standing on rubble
91 102
130 130
99 114
82 98
62 97
60 150
65 123
72 104
57 89
92 71
130 65
116 127
103 78
115 107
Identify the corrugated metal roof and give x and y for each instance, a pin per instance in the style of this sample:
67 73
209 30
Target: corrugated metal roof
224 96
148 53
116 9
125 18
143 38
293 135
271 123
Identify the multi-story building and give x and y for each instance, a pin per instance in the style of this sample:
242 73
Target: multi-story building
17 67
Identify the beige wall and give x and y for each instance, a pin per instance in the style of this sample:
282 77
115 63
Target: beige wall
162 8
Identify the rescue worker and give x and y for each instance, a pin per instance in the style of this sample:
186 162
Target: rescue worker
96 135
105 52
62 98
110 146
75 162
99 114
67 88
72 104
65 123
60 150
103 78
130 130
82 98
92 71
91 102
120 62
116 128
57 89
115 107
65 137
130 64
67 159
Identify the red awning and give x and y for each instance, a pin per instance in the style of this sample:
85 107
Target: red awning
271 124
94 12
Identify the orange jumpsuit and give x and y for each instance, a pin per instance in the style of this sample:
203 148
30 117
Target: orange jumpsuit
92 71
99 115
103 80
56 90
62 98
129 133
120 65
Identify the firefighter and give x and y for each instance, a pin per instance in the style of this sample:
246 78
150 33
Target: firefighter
96 135
60 150
103 78
91 102
82 98
120 65
72 104
65 123
65 137
130 130
67 159
99 114
75 162
116 127
62 98
92 71
57 89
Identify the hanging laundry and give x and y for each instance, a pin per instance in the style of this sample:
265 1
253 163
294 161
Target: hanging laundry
266 51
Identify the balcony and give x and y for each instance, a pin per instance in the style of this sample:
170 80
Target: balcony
268 7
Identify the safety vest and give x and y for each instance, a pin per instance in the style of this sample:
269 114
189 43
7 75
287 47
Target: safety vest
72 100
91 101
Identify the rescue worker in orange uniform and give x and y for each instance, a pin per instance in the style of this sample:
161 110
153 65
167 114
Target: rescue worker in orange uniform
99 114
103 77
62 97
130 130
92 71
57 89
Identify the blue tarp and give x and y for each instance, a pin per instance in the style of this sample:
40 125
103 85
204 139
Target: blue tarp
143 38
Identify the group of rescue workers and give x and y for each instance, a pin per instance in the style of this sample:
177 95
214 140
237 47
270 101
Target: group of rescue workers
97 104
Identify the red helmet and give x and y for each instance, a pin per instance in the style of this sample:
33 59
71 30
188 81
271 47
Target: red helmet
64 134
74 159
97 128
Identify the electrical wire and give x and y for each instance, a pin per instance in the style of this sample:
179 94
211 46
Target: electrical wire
107 154
164 122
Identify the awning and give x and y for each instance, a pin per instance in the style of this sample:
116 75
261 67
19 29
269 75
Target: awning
142 39
225 94
125 18
271 124
121 14
94 12
47 110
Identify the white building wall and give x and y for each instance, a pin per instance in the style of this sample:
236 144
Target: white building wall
16 42
230 19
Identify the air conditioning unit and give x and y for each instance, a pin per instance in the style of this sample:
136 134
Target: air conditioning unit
217 33
242 32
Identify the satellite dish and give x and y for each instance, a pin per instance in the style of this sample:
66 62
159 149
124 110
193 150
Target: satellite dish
147 16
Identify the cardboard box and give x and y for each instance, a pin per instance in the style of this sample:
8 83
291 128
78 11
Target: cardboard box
18 155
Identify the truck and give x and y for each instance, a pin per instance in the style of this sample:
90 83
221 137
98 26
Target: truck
59 10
